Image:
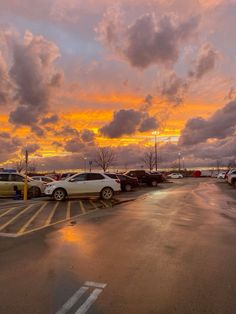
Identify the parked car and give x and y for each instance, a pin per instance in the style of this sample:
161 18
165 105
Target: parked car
175 176
231 178
83 184
10 182
228 173
221 175
127 183
146 177
66 175
44 179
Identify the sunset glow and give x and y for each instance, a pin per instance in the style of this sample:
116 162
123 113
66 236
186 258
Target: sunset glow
77 75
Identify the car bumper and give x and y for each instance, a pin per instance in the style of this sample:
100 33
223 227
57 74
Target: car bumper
48 192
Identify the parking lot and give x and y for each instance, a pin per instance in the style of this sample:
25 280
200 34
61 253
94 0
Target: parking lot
173 247
17 219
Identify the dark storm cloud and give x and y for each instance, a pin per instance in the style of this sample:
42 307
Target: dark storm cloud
87 136
31 148
129 121
231 94
5 85
8 147
220 125
147 104
57 79
33 74
205 62
22 115
174 88
74 145
149 123
5 135
148 40
125 122
37 130
51 119
67 131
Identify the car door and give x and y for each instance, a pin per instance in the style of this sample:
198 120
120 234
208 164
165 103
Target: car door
96 182
16 180
4 185
77 184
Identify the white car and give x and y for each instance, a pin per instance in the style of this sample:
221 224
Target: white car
44 179
231 178
84 184
221 175
175 176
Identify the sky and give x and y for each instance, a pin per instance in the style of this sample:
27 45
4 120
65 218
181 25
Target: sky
78 75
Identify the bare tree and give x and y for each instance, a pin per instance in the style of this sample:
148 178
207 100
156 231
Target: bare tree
105 157
149 160
32 166
231 164
20 164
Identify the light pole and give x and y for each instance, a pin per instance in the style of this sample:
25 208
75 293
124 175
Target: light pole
179 161
90 165
155 133
183 163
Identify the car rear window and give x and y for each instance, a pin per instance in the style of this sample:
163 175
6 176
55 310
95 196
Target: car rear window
4 177
95 176
16 178
111 175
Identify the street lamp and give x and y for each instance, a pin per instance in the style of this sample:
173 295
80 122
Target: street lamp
183 163
155 133
90 165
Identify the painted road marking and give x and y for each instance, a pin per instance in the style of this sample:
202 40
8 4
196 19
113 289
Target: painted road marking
93 204
95 284
7 211
104 203
72 300
15 217
48 221
82 207
32 218
98 288
89 302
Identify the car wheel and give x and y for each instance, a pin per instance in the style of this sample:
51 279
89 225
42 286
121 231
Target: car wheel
154 183
34 191
59 194
128 187
107 193
234 184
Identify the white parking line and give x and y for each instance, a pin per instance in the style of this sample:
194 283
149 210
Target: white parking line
91 299
95 284
15 217
75 297
7 211
79 293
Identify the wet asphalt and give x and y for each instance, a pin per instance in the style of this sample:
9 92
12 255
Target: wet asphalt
172 250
